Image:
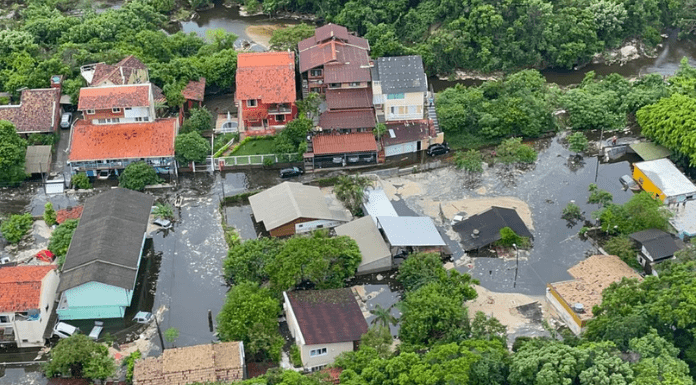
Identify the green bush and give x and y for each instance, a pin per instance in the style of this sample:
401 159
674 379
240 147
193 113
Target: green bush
508 238
60 239
138 175
42 139
81 181
130 364
514 151
572 212
268 162
163 210
471 161
49 214
295 356
231 236
623 248
15 228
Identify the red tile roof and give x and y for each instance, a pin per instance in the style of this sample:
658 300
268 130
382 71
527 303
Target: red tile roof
328 316
267 76
344 143
332 31
345 73
349 119
69 213
107 97
333 44
194 90
38 111
122 141
20 287
406 132
347 98
117 73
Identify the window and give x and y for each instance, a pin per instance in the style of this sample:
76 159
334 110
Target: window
115 120
280 118
101 121
128 108
90 112
318 368
115 110
396 96
251 103
335 85
355 84
317 352
315 89
139 119
4 319
315 72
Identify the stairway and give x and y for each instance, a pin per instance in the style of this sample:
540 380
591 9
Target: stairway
432 115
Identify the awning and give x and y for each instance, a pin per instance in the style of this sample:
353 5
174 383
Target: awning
650 151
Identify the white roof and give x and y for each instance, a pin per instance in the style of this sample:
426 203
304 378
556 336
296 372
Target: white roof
410 231
288 201
667 177
377 204
367 236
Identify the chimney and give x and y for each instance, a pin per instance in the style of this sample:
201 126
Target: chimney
57 81
475 233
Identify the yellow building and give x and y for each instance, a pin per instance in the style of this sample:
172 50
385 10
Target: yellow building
662 179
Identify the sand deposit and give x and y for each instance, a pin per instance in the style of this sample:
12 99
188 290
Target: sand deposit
261 34
503 307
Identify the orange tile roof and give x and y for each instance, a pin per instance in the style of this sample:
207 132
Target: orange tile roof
21 287
69 213
122 141
344 143
194 90
267 76
38 111
107 97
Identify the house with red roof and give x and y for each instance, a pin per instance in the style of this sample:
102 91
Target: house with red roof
324 324
38 110
341 150
265 94
130 70
129 103
334 59
97 147
27 298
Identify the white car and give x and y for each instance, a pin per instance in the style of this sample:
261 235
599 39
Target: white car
143 317
64 330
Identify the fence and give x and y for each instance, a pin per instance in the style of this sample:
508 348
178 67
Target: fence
245 160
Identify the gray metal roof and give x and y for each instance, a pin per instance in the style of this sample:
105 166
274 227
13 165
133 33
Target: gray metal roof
410 231
107 244
658 243
377 204
37 159
650 151
288 201
367 236
667 177
400 74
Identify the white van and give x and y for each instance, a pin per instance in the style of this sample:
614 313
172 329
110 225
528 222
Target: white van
64 330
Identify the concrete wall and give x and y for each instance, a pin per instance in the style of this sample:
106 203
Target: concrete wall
94 300
382 264
332 351
574 323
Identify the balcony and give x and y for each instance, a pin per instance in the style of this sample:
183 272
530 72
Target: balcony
275 109
7 335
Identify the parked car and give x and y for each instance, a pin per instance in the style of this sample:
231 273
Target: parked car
104 174
290 172
96 330
64 330
628 183
66 120
143 317
438 149
163 223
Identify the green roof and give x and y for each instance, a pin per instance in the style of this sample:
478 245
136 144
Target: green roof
650 151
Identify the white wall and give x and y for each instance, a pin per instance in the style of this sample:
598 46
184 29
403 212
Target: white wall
332 351
413 103
32 331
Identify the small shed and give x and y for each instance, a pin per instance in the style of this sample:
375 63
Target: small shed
656 246
375 253
38 160
482 229
650 151
662 179
411 234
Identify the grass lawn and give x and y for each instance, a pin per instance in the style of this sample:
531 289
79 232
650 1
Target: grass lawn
255 147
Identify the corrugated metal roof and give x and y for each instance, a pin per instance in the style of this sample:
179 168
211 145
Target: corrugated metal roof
37 159
667 177
348 98
344 143
410 231
405 132
650 151
377 204
288 201
347 119
401 74
367 236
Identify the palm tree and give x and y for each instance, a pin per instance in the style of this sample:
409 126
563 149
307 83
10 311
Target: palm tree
351 191
382 316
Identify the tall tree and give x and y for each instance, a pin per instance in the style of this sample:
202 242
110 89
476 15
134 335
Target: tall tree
80 357
13 150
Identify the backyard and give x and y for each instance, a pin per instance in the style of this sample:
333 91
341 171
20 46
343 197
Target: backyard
259 146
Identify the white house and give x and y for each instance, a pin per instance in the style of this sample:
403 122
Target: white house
324 323
27 297
399 85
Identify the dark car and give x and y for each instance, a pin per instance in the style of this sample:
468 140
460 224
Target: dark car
290 172
66 120
438 149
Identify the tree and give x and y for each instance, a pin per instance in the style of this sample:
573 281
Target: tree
199 120
383 317
80 357
308 107
623 248
598 196
81 181
671 122
191 147
572 212
293 136
658 361
379 130
514 151
163 210
470 161
60 239
379 338
578 142
247 261
15 228
420 269
137 175
287 38
12 154
487 328
171 335
49 214
250 315
351 191
509 238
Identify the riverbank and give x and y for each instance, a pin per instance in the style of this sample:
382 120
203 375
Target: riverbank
261 34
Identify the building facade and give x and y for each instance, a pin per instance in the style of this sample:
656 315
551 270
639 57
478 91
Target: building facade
117 104
399 87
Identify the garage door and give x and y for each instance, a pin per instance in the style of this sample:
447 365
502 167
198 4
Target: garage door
398 149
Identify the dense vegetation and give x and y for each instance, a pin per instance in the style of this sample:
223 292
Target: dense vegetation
16 227
80 357
13 151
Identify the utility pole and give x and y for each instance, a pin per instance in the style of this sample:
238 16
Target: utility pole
601 142
517 262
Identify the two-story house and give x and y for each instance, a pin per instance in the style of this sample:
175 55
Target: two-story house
27 297
399 86
333 59
324 324
265 94
128 103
